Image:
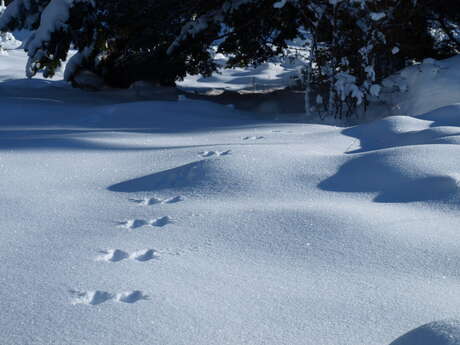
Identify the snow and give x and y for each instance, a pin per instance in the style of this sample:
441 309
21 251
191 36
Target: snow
445 332
433 85
54 18
74 63
140 222
280 4
376 16
7 40
265 77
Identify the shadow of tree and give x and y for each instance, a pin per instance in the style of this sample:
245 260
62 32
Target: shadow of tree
43 114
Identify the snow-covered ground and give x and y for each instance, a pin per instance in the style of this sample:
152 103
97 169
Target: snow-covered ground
130 223
272 75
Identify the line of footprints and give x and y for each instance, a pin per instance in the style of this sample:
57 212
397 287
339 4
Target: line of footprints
116 255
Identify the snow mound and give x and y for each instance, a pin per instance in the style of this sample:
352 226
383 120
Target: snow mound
426 87
401 174
446 332
439 126
401 159
209 174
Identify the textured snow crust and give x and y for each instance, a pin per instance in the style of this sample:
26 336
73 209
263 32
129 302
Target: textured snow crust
127 222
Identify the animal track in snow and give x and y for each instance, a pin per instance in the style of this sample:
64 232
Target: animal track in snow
253 138
98 297
131 296
173 200
162 221
144 255
112 255
146 201
133 223
155 200
116 255
91 297
205 154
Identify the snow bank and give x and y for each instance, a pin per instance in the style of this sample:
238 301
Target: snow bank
7 40
188 222
446 332
426 87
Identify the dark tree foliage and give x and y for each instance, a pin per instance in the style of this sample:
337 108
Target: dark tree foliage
136 37
259 31
353 44
444 15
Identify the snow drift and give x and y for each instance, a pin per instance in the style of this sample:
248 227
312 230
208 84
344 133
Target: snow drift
192 223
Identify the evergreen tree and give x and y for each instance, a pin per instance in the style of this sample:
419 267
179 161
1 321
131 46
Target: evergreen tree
137 35
444 18
354 44
56 25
